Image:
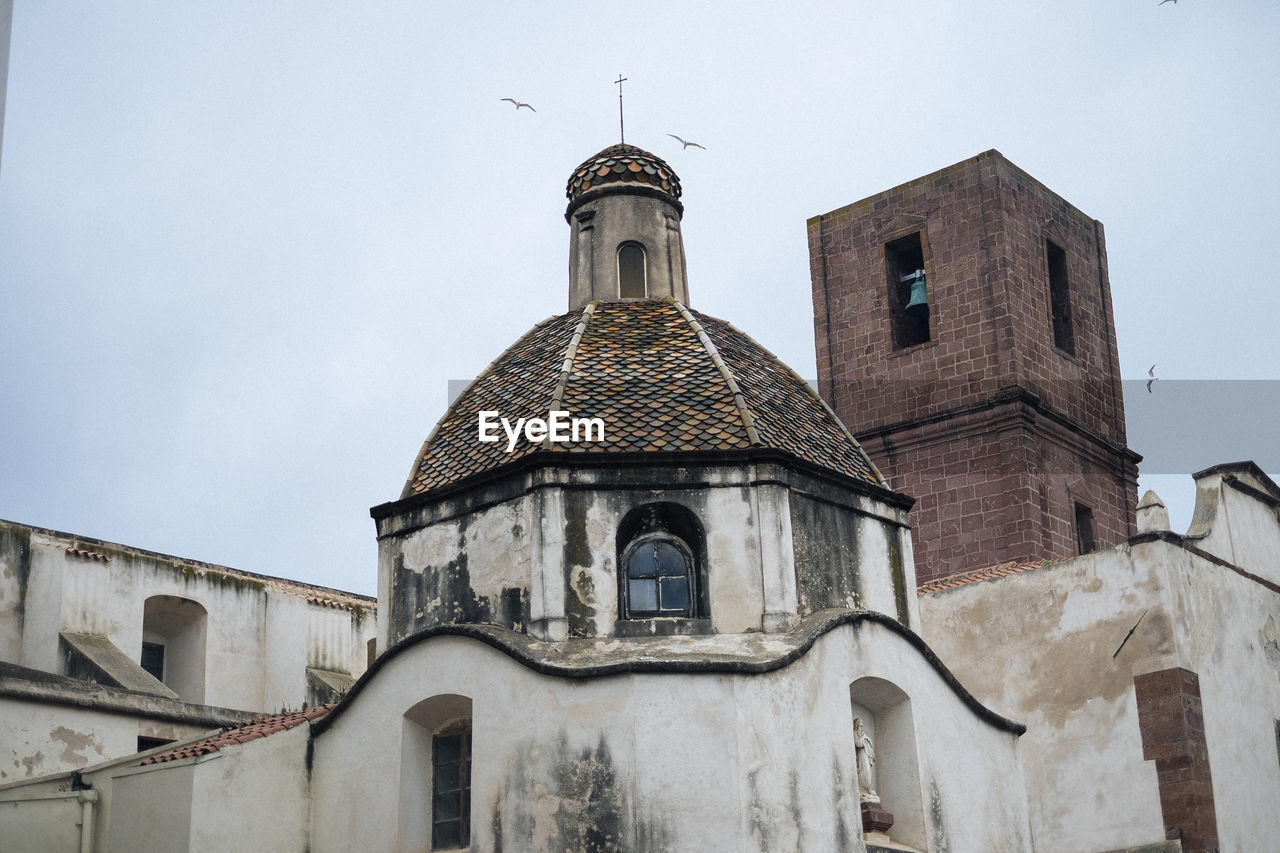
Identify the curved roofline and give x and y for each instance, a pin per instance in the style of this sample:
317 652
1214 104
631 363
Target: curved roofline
810 629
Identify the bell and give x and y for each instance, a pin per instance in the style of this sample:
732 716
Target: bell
918 294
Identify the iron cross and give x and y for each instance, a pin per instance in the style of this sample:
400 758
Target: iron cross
622 130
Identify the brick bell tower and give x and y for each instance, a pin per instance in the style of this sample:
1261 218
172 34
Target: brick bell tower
964 333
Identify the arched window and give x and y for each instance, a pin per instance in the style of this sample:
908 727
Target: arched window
661 563
173 644
633 281
435 775
660 580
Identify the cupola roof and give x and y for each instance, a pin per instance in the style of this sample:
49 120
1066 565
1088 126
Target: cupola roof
623 165
663 378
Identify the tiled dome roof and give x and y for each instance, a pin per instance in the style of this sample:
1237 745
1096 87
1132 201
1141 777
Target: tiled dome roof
663 378
623 164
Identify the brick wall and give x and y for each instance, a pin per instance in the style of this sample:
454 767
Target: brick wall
995 430
1171 719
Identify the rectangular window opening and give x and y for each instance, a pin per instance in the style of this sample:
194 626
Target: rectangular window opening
451 790
1060 298
153 659
145 743
908 296
1084 529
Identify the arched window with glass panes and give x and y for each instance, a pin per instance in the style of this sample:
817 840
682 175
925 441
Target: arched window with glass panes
660 579
661 560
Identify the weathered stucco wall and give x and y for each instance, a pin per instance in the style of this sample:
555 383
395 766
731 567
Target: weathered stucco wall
1058 647
260 635
678 761
264 784
15 567
40 738
540 551
251 649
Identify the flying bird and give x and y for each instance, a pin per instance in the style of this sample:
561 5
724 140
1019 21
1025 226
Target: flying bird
1152 370
686 144
1162 2
519 104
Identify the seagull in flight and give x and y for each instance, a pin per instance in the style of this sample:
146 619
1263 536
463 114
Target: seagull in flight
519 104
1152 370
686 144
1162 2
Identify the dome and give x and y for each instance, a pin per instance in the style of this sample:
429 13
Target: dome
663 378
623 165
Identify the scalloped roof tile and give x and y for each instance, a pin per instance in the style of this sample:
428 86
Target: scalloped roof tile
623 164
663 378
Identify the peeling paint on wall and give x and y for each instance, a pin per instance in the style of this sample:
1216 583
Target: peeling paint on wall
74 743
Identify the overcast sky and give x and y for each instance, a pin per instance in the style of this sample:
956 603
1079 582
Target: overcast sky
244 246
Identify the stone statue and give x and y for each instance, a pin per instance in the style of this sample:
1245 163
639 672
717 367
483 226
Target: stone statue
866 753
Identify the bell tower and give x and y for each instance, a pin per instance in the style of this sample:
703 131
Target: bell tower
624 217
964 329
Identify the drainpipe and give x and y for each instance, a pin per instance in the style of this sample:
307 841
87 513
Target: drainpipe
87 798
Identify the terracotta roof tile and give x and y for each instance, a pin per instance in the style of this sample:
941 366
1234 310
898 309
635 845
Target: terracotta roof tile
623 164
252 730
1012 567
88 555
663 379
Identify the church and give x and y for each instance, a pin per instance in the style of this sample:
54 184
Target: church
645 589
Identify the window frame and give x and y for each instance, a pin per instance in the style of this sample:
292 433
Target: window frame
1086 539
157 650
1061 321
690 576
462 790
644 268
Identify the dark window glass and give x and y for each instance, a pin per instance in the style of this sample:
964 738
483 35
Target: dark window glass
153 659
1060 298
451 790
1084 529
659 578
632 283
145 743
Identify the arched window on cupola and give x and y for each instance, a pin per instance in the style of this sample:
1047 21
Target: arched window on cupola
633 279
662 563
660 577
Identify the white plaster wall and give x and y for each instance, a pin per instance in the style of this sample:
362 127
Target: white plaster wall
734 570
285 638
1042 645
43 607
149 810
259 639
1038 647
497 542
703 762
47 825
38 738
876 577
1227 630
255 796
1240 529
